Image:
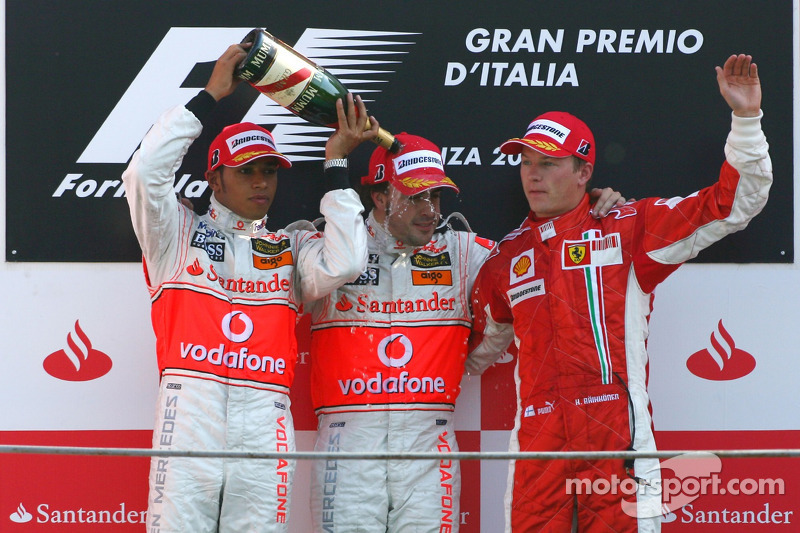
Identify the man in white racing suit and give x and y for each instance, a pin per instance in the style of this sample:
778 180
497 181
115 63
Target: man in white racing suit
225 294
388 353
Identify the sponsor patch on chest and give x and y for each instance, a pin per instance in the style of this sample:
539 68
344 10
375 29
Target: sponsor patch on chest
523 292
269 255
521 267
594 251
431 261
371 276
215 250
431 277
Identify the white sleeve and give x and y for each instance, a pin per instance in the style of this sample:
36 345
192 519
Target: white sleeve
326 263
495 340
149 186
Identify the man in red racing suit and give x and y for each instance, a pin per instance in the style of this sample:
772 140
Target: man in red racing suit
225 294
576 293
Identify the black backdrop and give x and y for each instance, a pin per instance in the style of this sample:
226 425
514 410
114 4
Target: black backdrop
658 119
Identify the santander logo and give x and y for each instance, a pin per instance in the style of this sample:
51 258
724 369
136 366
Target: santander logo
195 269
725 363
343 304
21 516
78 361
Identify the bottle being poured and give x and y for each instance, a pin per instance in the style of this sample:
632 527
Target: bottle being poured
293 81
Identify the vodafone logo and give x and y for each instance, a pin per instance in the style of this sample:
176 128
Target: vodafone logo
724 361
245 324
79 361
237 328
395 351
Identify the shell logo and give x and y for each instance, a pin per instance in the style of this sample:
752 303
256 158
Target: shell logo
522 266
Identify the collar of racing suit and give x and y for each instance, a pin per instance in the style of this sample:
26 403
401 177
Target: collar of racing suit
227 220
386 242
383 239
546 228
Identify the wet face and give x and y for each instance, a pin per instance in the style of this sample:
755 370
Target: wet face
411 219
247 190
552 185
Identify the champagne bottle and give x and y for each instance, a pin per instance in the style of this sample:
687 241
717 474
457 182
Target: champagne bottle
293 81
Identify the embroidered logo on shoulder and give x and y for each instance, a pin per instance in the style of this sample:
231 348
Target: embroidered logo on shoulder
672 202
486 243
523 292
521 267
623 212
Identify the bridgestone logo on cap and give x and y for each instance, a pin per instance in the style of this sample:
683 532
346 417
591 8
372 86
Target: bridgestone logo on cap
248 138
549 128
418 159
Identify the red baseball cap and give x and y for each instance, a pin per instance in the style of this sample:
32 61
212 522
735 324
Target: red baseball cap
417 168
239 143
556 134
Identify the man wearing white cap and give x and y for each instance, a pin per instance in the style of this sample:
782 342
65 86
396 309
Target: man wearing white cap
575 293
388 351
225 295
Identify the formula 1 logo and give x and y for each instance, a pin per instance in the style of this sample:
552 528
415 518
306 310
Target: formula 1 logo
158 86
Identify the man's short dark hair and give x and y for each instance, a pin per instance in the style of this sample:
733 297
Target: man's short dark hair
365 192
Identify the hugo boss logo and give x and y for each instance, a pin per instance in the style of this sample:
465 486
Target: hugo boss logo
215 250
